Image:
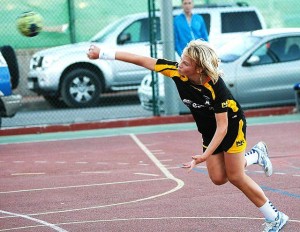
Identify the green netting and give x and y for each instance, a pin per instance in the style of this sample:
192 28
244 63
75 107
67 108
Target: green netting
92 15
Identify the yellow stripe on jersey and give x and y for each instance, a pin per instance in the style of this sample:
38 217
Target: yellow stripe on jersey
232 105
209 87
169 71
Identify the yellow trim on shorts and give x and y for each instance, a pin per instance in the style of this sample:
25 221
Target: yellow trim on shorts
240 142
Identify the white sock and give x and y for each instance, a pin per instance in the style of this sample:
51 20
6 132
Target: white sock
251 157
269 211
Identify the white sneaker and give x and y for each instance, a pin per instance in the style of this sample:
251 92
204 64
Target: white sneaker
263 158
274 226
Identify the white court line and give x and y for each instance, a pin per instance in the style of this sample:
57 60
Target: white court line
174 167
169 218
164 170
35 220
166 160
96 172
81 186
152 219
145 174
279 173
27 174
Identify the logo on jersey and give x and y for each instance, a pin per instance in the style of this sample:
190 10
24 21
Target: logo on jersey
240 143
224 104
191 104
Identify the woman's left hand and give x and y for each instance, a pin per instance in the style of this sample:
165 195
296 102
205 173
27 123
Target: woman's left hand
197 159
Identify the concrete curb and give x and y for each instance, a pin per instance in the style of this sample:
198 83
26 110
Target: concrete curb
132 122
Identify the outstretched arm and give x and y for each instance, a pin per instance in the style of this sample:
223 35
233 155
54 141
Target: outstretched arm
222 125
144 61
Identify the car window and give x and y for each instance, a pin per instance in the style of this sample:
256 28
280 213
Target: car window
279 50
292 50
139 31
133 32
234 49
206 18
240 21
103 34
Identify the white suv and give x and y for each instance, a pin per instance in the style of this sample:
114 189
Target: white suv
66 73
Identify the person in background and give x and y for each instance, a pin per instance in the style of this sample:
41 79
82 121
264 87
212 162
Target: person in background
188 26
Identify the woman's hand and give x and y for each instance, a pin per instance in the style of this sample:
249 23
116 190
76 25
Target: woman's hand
197 159
189 165
93 52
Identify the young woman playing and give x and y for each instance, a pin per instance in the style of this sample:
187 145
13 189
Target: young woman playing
219 119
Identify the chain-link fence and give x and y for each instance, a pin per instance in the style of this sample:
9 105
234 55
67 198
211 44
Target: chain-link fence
60 85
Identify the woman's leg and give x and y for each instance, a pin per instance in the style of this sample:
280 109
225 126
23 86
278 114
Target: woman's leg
216 169
234 166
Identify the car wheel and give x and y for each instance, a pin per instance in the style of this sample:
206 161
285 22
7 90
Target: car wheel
81 88
11 60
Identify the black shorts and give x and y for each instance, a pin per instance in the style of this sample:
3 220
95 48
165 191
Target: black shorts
235 139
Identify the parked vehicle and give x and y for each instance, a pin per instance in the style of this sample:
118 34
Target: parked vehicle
9 78
66 73
260 69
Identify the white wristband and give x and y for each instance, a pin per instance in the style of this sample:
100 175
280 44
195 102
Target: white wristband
107 54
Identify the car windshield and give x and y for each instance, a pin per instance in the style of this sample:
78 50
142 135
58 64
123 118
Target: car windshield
101 36
236 47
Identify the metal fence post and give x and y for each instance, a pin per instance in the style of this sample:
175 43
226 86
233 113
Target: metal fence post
171 103
153 52
72 21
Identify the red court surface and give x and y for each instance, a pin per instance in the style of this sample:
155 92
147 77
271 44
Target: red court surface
133 183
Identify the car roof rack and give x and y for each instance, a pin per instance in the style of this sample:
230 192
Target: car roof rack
240 4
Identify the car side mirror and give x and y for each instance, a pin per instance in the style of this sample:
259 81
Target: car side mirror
253 60
123 38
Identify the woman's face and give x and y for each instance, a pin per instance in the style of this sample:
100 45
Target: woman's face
186 66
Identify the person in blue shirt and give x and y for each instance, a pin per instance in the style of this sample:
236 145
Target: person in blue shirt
188 26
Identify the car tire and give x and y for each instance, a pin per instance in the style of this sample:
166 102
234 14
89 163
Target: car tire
81 88
12 63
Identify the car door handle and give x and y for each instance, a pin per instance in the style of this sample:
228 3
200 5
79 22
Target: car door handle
231 85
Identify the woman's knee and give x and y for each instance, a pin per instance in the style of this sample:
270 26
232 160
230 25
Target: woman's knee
219 179
235 179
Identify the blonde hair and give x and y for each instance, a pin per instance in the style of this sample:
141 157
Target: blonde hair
205 57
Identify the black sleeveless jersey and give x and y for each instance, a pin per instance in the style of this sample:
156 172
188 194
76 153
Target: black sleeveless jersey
204 101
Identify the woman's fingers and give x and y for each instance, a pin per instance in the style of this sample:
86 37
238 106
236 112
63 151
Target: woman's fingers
93 52
186 165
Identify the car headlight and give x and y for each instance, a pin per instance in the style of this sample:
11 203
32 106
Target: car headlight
48 61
